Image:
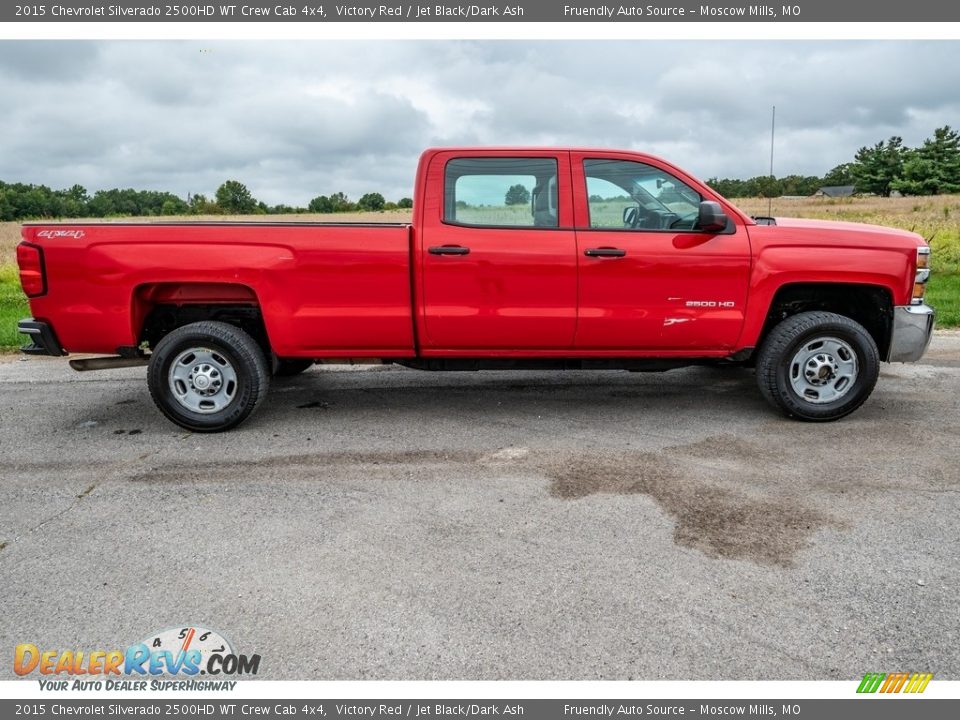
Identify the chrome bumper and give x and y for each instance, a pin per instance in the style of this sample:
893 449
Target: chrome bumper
912 330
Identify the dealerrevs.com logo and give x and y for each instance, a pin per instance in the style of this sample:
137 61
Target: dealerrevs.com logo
172 659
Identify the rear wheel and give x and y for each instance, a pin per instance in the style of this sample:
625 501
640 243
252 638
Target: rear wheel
208 376
818 366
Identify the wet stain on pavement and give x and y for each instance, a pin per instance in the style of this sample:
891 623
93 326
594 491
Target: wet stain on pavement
710 518
689 482
229 472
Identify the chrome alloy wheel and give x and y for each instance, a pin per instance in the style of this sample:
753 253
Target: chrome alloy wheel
202 380
823 370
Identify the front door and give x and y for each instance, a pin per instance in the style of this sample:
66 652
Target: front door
649 278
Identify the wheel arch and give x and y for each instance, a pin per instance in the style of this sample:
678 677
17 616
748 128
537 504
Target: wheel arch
161 307
867 304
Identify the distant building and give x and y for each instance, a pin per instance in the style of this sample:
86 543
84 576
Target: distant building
835 191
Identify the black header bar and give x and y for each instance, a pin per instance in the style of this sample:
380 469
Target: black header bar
319 11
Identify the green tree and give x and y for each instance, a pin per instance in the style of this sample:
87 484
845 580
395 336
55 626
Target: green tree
934 168
728 188
840 175
320 204
7 211
282 209
405 203
919 176
371 201
73 202
114 202
234 197
517 195
876 168
169 207
339 202
767 186
803 185
943 150
199 205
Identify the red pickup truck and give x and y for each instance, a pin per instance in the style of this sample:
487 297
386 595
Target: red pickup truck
515 258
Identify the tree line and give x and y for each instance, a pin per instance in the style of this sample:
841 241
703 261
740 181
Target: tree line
881 169
19 201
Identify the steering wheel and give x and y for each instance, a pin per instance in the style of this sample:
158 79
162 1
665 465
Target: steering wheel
683 221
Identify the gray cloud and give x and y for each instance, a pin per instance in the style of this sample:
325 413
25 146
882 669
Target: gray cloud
296 119
39 62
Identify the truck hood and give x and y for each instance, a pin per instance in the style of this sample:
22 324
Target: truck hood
836 229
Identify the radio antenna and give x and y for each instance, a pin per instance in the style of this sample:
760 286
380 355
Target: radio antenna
773 126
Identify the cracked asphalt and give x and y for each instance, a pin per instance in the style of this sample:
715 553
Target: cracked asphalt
385 523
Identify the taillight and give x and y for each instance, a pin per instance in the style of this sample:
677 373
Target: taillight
922 275
30 260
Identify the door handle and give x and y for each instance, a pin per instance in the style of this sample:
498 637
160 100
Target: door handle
605 252
449 250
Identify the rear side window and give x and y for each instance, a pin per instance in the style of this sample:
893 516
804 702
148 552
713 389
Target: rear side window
501 192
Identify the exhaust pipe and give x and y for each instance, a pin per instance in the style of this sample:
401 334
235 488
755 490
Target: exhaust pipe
109 363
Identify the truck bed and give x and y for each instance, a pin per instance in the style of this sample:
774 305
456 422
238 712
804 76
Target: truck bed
325 289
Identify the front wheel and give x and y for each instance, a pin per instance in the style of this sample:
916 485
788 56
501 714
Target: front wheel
208 376
818 366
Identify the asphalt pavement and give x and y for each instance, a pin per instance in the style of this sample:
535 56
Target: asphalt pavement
383 523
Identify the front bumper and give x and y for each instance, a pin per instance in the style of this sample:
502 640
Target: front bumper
912 330
44 338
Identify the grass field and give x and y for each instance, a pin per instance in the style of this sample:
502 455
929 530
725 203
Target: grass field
936 218
933 217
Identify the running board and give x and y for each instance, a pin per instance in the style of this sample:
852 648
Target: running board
108 363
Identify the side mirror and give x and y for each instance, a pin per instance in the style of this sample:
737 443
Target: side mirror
712 218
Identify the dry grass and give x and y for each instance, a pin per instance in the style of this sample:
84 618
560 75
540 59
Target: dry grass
937 218
9 237
925 209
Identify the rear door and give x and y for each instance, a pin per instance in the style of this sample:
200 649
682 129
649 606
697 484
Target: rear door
497 252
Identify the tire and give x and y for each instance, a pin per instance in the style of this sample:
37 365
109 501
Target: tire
288 367
818 366
208 376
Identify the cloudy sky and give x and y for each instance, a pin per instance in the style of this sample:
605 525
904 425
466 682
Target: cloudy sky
297 119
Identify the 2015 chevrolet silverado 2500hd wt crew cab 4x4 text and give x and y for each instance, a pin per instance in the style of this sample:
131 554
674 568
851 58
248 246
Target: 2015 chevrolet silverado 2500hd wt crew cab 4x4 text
515 258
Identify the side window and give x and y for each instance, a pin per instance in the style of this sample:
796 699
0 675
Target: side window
501 192
636 196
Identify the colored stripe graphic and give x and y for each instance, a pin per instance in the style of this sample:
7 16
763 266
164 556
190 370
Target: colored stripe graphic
870 682
898 680
918 682
894 682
